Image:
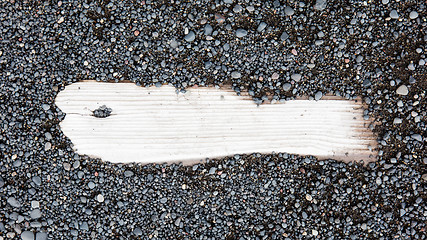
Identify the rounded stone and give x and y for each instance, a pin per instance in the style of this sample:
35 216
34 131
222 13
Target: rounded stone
100 198
241 33
289 11
286 87
413 15
27 235
402 90
236 74
36 213
13 202
41 236
191 36
91 185
137 231
394 14
128 173
208 29
296 77
37 180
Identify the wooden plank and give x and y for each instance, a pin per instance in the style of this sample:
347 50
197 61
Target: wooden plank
158 125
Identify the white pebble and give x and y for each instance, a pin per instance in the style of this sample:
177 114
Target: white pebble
314 232
402 90
100 198
35 204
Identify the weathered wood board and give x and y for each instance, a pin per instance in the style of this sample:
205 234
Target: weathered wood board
149 125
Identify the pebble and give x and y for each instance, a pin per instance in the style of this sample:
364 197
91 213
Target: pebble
320 5
27 235
13 202
61 20
1 182
48 136
284 36
67 166
235 74
241 33
41 236
261 26
191 36
163 200
128 173
417 137
45 107
226 47
296 77
308 197
413 15
137 231
208 29
402 90
100 198
84 226
35 204
394 14
76 164
397 121
219 18
237 8
47 146
314 232
173 44
318 96
289 11
35 214
37 180
294 52
318 42
286 87
378 181
91 185
275 76
366 83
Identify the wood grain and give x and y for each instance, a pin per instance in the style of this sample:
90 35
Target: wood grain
158 125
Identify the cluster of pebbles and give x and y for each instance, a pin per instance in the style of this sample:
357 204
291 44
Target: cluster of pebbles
275 51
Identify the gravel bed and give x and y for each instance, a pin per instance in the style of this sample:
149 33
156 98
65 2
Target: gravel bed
275 51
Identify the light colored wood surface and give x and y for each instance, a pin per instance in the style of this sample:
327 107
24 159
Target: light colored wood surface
158 125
